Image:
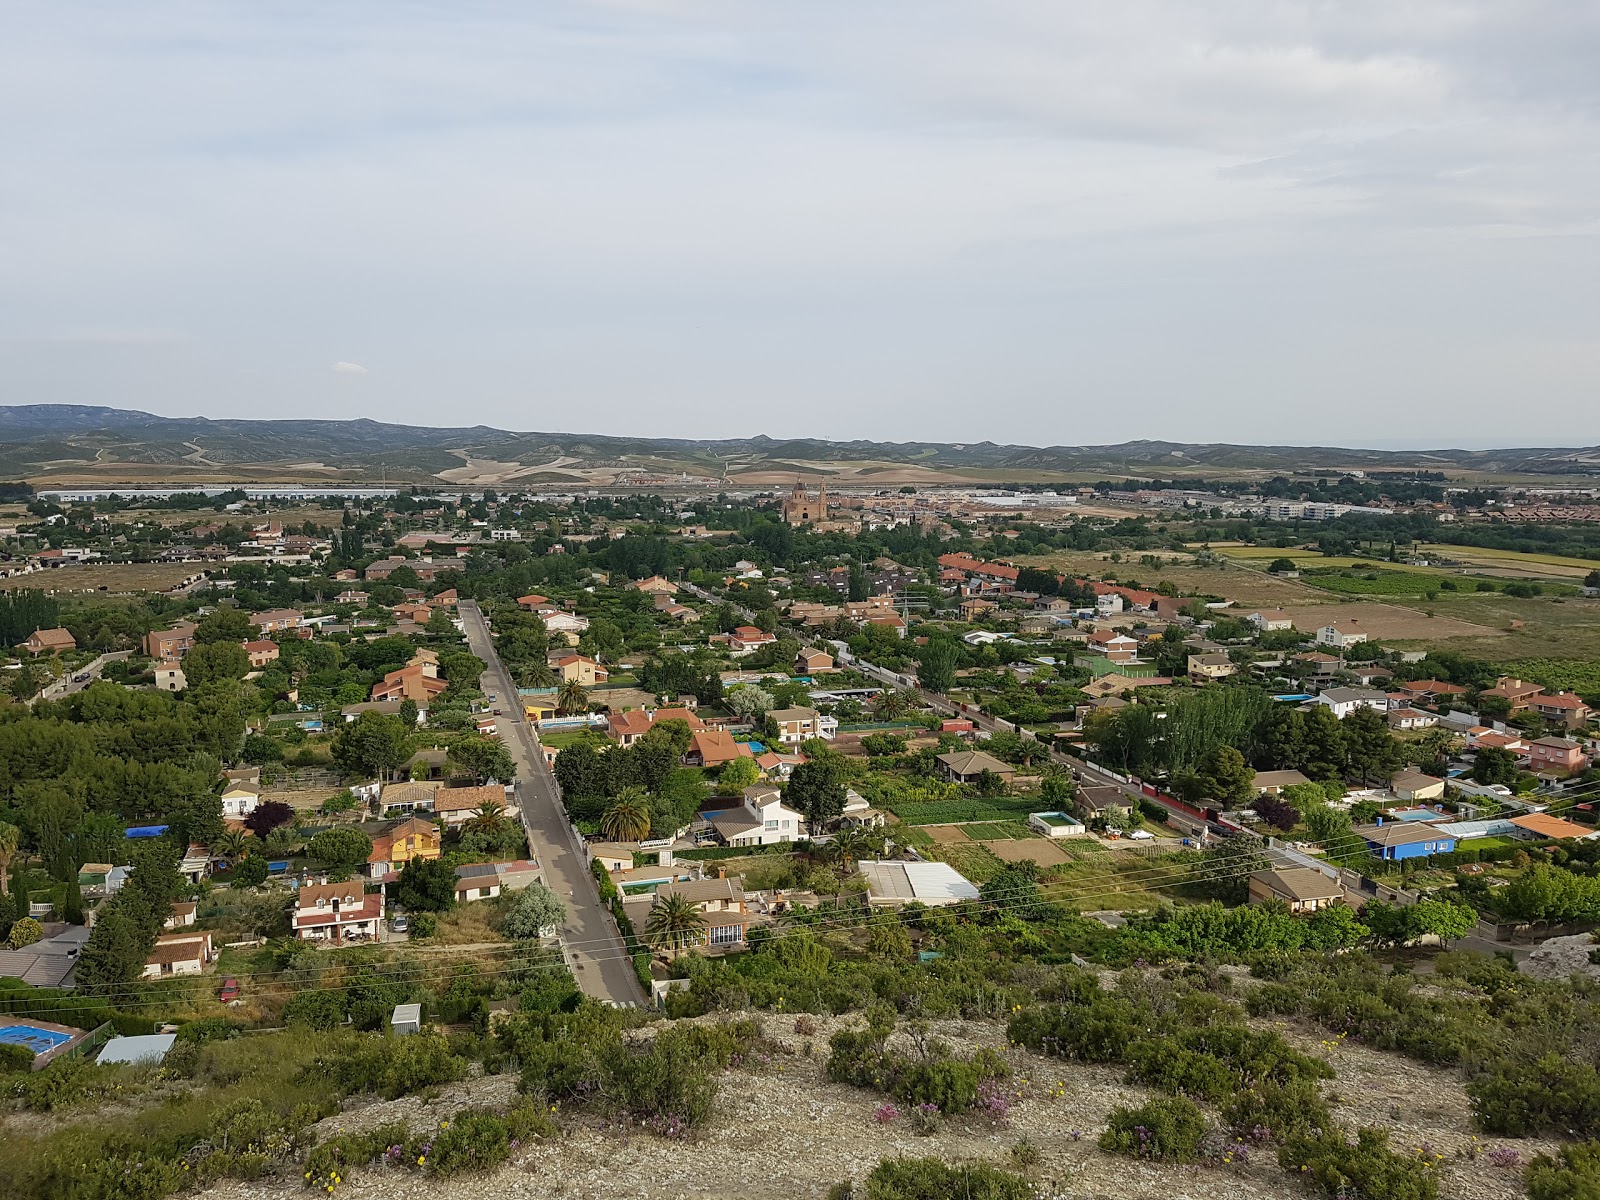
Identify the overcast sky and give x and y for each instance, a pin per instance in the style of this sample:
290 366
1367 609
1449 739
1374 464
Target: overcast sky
1355 223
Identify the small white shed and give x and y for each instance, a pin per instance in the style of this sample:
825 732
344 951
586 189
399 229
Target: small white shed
407 1019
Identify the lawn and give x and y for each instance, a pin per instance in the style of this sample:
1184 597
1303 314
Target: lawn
1483 843
573 737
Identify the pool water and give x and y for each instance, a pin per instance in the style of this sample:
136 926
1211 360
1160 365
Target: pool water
40 1041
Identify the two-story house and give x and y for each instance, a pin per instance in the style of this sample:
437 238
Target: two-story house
1518 693
577 668
241 792
398 844
261 652
747 639
336 911
170 643
761 820
1556 756
1341 635
796 725
1118 647
720 901
276 620
1563 708
1210 666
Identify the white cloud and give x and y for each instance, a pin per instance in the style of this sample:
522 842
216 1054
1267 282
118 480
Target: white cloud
348 368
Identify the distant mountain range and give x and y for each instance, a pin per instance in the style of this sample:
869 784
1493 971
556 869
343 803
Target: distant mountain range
85 444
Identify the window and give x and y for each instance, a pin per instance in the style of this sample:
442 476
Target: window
772 824
726 935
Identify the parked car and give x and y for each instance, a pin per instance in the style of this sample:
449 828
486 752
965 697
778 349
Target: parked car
399 924
230 991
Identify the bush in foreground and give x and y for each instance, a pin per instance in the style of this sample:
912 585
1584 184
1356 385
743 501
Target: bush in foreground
930 1179
1168 1129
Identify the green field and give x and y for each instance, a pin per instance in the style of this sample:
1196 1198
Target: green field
1482 556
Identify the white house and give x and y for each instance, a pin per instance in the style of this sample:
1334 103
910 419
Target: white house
335 911
1345 700
1108 602
1269 620
241 792
761 820
1341 635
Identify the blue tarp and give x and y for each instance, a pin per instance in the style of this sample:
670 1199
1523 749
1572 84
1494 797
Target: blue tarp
144 831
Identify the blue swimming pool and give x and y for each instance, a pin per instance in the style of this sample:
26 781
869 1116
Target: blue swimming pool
40 1041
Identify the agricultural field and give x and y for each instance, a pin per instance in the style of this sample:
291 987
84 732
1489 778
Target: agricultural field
1545 566
107 577
1391 621
1508 629
1246 586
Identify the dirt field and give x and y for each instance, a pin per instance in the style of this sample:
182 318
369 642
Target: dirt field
1388 621
1040 850
785 1133
947 835
1245 586
119 577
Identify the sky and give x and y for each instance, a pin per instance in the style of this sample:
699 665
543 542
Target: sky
1365 223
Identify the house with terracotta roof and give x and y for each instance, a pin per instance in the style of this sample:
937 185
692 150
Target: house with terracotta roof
179 954
1493 739
417 682
1519 693
336 911
1431 689
398 844
747 639
715 748
533 603
656 586
1556 756
261 652
1543 825
577 668
678 712
1563 708
275 620
50 641
1117 647
456 806
170 643
625 728
1407 718
812 662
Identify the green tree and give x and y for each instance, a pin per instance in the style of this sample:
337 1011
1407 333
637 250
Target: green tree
373 745
340 847
1494 765
224 624
738 774
936 664
25 932
10 842
535 910
1371 750
214 662
439 624
1227 777
482 758
426 885
817 793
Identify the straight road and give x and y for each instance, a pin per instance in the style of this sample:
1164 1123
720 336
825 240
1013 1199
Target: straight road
69 683
594 948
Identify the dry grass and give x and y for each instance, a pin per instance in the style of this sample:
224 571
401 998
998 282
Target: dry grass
1390 621
1043 851
110 577
1245 586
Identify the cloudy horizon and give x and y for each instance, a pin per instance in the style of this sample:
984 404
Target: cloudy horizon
1252 222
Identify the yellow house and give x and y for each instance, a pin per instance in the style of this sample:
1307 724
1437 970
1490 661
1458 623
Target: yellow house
400 843
539 710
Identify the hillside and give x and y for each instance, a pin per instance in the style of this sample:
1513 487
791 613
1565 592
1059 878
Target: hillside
63 443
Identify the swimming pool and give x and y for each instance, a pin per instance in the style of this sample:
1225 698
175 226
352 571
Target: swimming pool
40 1041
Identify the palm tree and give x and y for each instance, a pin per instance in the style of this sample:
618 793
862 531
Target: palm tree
850 846
628 817
488 817
230 845
674 922
572 698
10 839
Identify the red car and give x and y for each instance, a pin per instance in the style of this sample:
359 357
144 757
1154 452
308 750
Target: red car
230 991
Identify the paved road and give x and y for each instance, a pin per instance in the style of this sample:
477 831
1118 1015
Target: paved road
594 948
68 684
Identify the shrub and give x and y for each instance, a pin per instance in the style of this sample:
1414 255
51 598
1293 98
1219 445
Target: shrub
1213 1061
1519 1097
1573 1174
1282 1110
387 1066
934 1078
1367 1168
1167 1129
15 1058
930 1179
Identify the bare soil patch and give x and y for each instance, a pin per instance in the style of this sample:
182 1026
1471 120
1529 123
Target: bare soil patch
947 835
1040 850
112 577
1388 621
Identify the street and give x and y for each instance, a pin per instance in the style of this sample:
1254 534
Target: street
69 683
594 948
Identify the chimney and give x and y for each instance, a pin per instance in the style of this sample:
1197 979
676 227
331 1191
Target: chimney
722 872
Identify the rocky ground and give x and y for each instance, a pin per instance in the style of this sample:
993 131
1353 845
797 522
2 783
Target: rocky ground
1561 958
783 1132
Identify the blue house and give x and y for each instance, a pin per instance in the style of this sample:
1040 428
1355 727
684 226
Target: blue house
1406 839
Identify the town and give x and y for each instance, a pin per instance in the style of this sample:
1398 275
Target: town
1089 826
